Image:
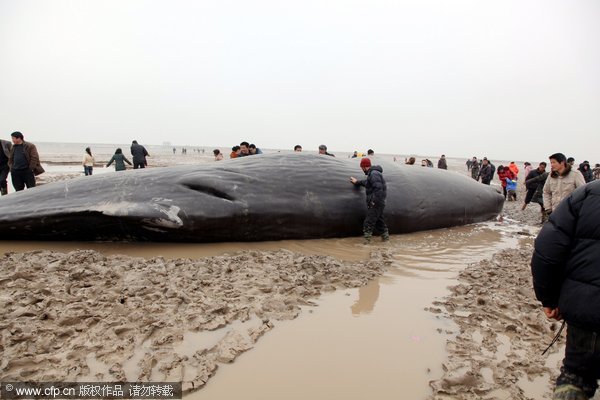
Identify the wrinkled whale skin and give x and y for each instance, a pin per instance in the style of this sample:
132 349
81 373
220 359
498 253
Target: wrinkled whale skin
255 198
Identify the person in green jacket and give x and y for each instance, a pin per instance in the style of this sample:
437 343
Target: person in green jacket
119 160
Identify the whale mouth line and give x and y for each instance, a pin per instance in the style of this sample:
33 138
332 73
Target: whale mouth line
210 191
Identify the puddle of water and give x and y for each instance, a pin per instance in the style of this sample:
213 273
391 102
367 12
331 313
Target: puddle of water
350 249
371 342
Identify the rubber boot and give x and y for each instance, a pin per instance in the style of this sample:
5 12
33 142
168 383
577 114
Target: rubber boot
368 236
3 191
385 236
569 392
544 217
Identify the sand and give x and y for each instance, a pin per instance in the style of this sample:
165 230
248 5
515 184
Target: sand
81 315
503 332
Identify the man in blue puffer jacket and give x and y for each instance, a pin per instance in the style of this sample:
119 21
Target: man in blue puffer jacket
376 191
566 279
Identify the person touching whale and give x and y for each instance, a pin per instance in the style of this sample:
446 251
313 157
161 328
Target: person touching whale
376 190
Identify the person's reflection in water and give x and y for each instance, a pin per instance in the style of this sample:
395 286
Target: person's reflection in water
367 297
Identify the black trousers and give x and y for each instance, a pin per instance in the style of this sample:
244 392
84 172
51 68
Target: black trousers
581 365
137 165
529 195
22 178
3 175
374 220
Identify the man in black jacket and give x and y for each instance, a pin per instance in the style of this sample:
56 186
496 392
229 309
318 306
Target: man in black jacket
485 172
376 191
139 154
566 279
533 185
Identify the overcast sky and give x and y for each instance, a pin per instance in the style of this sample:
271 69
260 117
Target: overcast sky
507 79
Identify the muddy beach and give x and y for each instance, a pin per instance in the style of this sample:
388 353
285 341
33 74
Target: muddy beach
448 314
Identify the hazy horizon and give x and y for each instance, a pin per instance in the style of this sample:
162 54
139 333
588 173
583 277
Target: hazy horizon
502 79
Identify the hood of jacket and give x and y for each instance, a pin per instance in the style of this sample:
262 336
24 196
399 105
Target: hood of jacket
376 168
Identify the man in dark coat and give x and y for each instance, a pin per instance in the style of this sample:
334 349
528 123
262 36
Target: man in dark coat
566 279
586 171
486 172
532 184
139 154
442 164
24 162
376 190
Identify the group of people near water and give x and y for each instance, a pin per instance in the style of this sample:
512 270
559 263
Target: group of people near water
21 160
138 154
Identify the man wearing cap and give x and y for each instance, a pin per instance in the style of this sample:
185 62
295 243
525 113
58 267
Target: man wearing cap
24 162
376 190
323 150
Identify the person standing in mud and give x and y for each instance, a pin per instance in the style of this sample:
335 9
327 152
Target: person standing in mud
563 180
475 169
139 154
5 147
504 173
376 190
534 183
566 272
24 162
485 172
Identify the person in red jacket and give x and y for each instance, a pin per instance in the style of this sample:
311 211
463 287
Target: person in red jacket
514 168
503 174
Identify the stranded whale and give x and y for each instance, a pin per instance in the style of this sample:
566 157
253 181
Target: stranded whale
266 197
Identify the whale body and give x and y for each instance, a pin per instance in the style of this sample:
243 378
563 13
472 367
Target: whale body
254 198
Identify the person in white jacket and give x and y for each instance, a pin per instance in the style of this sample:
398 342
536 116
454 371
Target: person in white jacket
563 180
